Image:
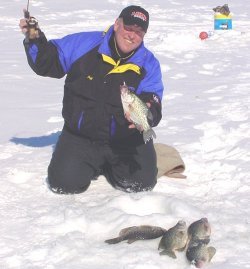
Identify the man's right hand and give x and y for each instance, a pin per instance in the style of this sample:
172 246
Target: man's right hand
23 24
29 27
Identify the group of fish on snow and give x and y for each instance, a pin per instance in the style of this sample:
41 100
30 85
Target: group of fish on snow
194 239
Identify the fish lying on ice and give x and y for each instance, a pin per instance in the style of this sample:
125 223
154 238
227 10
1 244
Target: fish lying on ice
200 230
174 239
199 253
135 233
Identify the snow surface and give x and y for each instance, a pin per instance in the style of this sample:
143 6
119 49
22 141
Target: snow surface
205 117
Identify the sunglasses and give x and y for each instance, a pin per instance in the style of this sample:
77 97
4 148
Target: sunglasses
134 28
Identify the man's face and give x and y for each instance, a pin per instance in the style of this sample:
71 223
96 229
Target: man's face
128 37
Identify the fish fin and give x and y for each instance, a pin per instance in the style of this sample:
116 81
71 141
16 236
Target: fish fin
149 134
160 245
211 252
124 231
206 240
170 253
181 249
196 241
114 240
130 241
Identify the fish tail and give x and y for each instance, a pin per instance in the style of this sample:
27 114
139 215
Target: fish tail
114 240
149 134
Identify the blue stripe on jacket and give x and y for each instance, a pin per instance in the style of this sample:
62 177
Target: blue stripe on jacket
72 47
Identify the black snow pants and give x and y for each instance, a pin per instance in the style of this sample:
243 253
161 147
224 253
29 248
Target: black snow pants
76 161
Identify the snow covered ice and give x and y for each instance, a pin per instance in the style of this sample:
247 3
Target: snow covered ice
206 110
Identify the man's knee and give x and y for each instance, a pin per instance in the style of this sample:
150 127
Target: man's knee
66 189
133 185
65 185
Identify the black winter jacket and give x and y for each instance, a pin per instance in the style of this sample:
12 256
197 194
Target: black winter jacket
92 105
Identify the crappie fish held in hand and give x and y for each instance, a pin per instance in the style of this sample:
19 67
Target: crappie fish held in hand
200 230
135 233
200 254
138 112
174 239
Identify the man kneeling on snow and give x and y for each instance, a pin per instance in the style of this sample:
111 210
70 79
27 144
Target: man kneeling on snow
97 138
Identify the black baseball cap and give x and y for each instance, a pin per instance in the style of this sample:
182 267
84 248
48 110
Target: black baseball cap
135 15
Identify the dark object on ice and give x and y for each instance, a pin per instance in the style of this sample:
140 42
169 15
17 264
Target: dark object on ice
135 233
174 239
199 254
200 230
222 9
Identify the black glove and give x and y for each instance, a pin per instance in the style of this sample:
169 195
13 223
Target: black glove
33 28
155 107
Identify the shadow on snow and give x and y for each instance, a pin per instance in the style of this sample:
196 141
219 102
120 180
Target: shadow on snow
37 142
